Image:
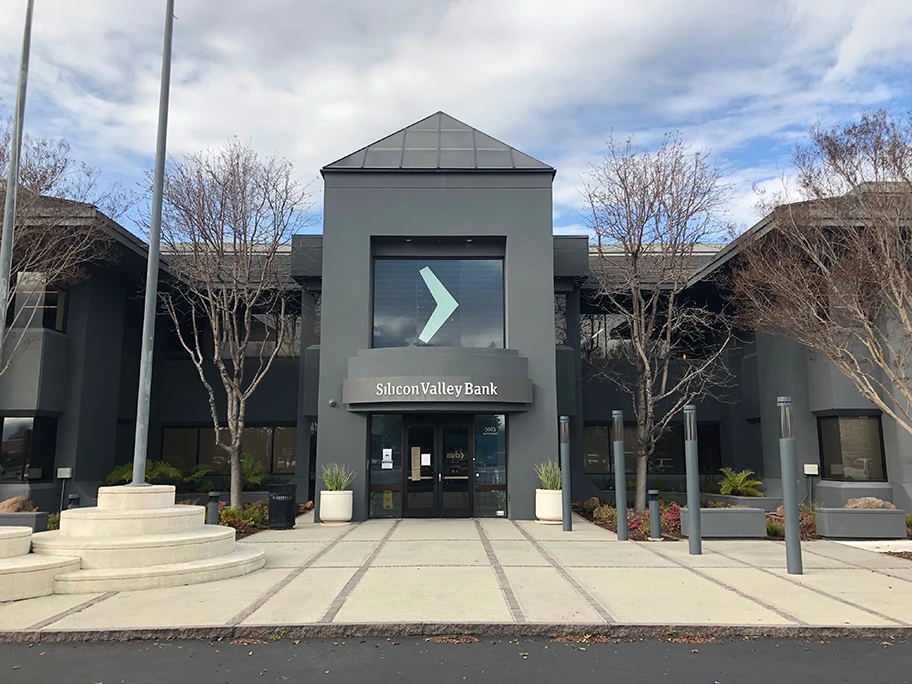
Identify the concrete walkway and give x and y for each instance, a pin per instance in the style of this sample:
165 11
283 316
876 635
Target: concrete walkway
510 574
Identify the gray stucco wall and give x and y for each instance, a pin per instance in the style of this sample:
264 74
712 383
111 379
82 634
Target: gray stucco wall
516 206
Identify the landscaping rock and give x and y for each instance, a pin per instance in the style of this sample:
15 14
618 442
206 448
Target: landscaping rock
868 502
18 504
590 504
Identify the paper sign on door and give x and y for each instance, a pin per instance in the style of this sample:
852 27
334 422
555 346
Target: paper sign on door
425 459
387 454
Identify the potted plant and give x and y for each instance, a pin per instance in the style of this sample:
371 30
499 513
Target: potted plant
336 499
548 503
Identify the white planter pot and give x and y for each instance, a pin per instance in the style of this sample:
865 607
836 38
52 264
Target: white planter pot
548 506
336 507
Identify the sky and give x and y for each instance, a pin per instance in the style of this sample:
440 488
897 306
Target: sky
314 80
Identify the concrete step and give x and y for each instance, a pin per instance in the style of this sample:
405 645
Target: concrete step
15 541
208 541
30 576
99 522
127 497
244 559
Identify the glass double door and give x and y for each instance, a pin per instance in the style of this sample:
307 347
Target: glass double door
438 468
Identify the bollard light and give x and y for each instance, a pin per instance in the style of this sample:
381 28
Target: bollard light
655 516
566 501
692 473
72 501
212 509
620 476
789 488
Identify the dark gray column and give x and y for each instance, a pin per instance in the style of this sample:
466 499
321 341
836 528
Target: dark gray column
302 441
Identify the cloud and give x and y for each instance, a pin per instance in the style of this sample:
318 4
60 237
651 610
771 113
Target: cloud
317 80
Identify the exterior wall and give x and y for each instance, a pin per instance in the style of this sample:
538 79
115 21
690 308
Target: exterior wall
516 207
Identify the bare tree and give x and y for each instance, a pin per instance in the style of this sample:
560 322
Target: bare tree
832 271
57 232
228 217
649 212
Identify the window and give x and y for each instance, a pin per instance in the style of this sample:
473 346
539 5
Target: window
273 447
666 459
385 466
28 449
408 292
851 448
35 306
490 466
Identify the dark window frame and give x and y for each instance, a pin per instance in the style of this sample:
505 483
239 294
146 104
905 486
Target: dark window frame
257 425
439 257
840 416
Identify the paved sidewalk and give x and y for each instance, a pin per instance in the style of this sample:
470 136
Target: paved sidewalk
500 572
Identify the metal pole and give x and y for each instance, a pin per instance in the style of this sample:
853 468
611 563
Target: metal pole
789 488
12 176
692 468
620 476
655 515
141 443
565 472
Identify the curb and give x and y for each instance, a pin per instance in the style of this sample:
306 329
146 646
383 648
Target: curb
424 629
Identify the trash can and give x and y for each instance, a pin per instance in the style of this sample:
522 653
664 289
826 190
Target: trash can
282 506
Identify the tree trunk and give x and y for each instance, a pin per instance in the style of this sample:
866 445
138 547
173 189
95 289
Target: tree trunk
236 481
640 498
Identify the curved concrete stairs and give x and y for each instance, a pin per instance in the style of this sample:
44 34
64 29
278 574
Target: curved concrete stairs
23 575
137 538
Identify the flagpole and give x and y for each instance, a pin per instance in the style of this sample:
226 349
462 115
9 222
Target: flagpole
12 178
141 443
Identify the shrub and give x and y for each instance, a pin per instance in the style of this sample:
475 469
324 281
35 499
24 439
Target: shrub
337 477
708 485
549 474
54 521
682 488
252 472
660 484
161 471
196 479
246 518
631 485
774 528
739 484
605 514
671 519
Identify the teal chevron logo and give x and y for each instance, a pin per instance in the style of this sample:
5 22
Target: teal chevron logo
446 305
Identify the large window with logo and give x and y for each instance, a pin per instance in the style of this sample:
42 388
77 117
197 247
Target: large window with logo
27 450
438 303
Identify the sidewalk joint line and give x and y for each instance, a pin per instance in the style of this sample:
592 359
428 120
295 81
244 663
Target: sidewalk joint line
817 591
349 587
880 571
725 585
570 579
282 583
502 580
75 609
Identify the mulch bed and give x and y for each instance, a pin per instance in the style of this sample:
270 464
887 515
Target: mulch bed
901 554
632 534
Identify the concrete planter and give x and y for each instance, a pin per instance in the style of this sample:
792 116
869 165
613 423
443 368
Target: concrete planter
336 507
767 503
549 506
861 523
727 523
37 520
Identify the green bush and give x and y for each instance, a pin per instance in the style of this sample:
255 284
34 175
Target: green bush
739 484
682 488
549 474
54 521
160 471
774 528
631 485
247 518
709 485
252 472
660 484
337 477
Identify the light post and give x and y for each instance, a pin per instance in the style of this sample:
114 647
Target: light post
620 478
789 489
692 468
565 472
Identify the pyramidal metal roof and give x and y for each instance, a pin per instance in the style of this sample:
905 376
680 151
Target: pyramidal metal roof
438 143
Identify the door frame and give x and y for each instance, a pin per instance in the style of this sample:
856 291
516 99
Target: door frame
438 422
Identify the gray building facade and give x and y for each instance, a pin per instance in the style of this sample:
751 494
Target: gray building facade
441 331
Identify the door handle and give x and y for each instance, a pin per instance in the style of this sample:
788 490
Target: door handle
440 478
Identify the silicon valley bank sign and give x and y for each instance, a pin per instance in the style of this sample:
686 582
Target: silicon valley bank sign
442 389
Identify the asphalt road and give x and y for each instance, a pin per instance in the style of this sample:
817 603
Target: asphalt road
528 661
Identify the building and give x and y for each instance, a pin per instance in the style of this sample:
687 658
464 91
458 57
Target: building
426 357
